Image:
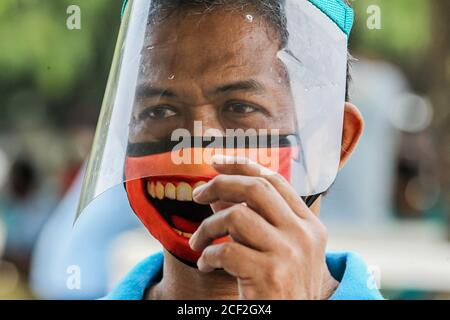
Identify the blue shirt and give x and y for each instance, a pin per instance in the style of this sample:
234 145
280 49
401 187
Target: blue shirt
356 283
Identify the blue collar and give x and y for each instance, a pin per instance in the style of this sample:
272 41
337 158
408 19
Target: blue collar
348 268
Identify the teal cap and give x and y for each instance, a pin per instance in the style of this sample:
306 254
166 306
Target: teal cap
337 10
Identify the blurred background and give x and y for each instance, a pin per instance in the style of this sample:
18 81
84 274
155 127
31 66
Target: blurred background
390 204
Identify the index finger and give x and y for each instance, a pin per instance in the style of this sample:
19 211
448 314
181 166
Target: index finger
246 167
256 192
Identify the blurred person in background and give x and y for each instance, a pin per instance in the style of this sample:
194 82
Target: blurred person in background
58 248
25 207
361 196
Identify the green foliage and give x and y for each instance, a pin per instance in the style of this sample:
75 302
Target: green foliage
46 67
405 28
39 53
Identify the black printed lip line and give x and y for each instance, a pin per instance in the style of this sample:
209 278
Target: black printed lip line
235 142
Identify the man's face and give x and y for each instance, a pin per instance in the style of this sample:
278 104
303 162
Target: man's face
220 68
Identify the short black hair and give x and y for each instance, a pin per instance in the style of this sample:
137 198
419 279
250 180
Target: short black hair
270 10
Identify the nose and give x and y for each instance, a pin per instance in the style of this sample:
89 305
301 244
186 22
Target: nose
204 121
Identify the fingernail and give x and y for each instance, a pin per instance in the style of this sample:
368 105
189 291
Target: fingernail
198 190
222 159
192 241
200 265
266 171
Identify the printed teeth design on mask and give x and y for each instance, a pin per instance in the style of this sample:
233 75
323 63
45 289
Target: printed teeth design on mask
184 234
180 191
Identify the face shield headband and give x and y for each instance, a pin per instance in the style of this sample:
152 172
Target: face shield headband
337 10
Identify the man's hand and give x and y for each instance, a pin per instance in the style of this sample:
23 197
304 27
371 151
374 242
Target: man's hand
278 247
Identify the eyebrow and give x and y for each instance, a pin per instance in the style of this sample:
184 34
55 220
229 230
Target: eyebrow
145 91
246 85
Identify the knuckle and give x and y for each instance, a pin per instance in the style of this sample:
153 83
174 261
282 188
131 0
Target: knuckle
217 181
290 252
235 215
262 184
274 275
277 178
207 255
318 231
310 240
204 228
299 225
322 233
311 234
226 251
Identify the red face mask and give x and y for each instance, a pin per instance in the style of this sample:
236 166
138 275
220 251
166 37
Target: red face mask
163 200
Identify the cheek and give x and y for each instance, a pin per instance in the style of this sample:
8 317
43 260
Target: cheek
255 121
154 130
286 121
284 111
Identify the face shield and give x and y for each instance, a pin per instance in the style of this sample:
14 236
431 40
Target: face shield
263 80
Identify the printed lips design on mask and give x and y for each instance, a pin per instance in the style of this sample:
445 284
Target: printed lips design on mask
173 200
166 208
160 192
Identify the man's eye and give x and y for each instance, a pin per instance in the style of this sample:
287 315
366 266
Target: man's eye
158 113
240 108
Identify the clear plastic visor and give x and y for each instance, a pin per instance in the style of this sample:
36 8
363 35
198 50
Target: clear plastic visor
190 81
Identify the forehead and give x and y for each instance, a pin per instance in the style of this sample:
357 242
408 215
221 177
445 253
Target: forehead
220 42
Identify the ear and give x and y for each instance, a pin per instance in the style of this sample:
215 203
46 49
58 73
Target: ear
352 131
